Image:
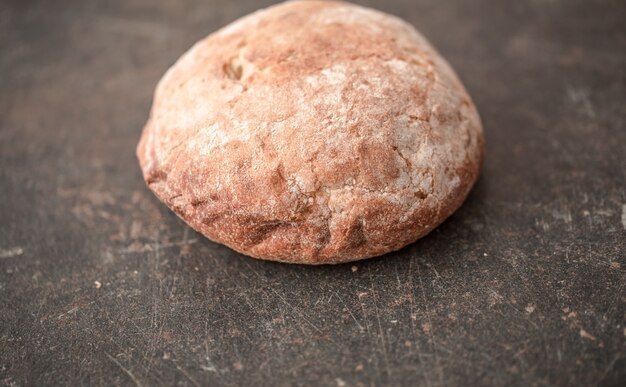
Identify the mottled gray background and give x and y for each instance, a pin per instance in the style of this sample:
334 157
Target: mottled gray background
524 285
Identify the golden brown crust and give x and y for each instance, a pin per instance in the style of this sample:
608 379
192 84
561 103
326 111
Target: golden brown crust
312 132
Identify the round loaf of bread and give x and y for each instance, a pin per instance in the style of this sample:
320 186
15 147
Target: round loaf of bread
312 132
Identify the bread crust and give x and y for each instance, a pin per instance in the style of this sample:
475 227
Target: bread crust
312 132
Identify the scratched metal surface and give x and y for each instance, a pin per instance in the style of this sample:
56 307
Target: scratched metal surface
524 285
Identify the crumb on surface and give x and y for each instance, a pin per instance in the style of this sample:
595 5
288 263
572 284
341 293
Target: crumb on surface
586 335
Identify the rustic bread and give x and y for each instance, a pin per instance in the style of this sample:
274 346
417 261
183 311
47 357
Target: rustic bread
312 132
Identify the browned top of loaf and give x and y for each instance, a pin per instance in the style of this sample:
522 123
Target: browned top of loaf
312 132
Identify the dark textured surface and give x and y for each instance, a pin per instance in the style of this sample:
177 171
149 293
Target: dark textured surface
524 285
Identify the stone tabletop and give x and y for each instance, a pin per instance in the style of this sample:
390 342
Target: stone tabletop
100 284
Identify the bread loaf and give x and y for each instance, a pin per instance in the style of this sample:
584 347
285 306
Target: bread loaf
312 132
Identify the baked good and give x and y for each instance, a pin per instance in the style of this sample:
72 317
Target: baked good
312 132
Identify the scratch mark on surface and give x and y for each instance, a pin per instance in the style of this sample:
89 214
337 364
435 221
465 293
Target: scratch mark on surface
412 300
609 368
74 309
564 215
15 251
380 328
398 278
185 373
523 313
616 300
581 96
153 344
603 212
430 324
209 366
296 311
137 247
624 216
157 258
246 299
360 295
127 371
413 318
349 311
181 254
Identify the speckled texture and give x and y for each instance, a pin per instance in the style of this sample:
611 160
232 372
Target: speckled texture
522 286
312 132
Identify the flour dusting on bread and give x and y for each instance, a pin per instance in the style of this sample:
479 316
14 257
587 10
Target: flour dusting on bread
312 132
